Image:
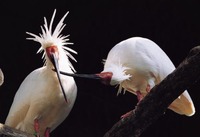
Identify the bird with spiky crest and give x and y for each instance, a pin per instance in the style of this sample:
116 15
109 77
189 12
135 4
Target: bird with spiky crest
45 98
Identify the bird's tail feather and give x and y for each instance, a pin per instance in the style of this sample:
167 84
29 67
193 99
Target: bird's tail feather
183 105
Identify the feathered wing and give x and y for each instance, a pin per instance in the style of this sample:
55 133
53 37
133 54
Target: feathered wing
183 105
20 105
16 116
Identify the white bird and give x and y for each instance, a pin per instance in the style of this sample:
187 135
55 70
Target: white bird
138 64
39 105
1 77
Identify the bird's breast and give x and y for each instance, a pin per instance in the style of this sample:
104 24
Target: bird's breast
50 107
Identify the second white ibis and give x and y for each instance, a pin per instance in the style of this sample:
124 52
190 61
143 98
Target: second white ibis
137 64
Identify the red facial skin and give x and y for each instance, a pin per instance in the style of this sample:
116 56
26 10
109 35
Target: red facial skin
105 77
52 49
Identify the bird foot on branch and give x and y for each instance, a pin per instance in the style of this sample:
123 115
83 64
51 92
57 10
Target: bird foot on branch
36 127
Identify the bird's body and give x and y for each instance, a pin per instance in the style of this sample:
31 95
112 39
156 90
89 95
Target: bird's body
39 99
137 65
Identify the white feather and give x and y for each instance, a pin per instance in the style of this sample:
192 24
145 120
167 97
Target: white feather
47 38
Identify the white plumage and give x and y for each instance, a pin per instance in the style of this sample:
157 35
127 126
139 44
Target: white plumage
1 77
39 99
137 65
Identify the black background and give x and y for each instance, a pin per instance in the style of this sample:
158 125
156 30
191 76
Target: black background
94 28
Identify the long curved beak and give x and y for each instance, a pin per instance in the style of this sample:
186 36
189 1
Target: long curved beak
88 76
52 56
104 77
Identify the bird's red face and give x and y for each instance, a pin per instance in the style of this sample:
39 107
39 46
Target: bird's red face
53 55
52 51
105 77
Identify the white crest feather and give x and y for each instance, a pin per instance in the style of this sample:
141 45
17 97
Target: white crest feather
47 37
119 74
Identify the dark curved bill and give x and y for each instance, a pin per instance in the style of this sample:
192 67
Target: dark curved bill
55 63
104 77
89 76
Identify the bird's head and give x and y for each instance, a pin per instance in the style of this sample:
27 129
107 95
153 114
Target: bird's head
53 43
118 74
53 46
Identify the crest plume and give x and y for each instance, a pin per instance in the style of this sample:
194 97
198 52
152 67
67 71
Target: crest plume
50 36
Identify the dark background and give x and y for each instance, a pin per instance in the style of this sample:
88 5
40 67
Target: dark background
94 28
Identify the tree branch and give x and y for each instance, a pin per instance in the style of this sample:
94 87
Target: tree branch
153 106
11 132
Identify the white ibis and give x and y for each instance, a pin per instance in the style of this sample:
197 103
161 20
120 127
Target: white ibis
1 77
39 105
137 65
